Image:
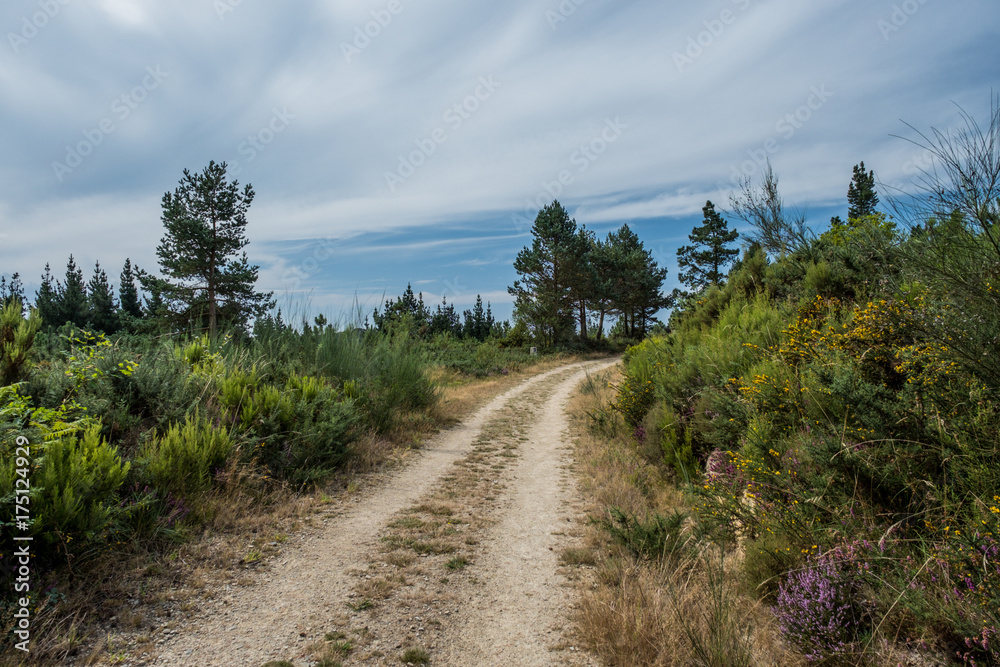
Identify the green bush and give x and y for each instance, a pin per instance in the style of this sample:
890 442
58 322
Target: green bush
183 459
74 480
79 477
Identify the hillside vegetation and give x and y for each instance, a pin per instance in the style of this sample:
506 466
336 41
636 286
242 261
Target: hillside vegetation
830 411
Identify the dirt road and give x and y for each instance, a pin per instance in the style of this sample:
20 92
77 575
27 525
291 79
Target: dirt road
455 559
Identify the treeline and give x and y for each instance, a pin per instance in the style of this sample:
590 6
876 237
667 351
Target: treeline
409 313
571 283
830 404
207 283
91 305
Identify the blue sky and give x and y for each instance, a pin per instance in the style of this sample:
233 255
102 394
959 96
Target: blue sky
395 141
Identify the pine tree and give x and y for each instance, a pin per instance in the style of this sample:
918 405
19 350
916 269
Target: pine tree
703 263
129 305
490 322
602 258
409 309
636 283
72 297
101 302
128 295
445 319
543 295
583 281
861 196
47 299
208 279
476 324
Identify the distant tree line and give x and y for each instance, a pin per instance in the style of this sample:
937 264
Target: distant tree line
408 312
207 280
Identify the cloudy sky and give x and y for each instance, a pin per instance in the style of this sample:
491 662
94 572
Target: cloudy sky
413 140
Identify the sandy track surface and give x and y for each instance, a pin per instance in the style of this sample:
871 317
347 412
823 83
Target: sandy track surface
457 555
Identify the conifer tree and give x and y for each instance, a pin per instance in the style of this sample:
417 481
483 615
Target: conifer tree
861 196
47 299
101 302
129 306
445 319
636 283
583 275
209 279
702 263
490 322
603 261
72 306
543 294
476 323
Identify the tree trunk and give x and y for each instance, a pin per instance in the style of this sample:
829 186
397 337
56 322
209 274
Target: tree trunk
211 278
583 320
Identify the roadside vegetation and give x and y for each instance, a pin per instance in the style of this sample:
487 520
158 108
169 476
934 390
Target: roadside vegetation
804 468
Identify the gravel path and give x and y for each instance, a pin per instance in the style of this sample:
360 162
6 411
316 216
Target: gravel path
457 555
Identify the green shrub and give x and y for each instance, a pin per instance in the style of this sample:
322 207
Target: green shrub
183 459
76 480
657 536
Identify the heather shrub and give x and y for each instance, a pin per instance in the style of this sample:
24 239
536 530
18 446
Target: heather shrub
72 472
820 608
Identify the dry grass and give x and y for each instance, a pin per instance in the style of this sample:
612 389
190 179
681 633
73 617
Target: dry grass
684 611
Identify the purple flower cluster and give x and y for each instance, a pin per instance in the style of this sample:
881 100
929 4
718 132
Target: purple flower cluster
986 643
820 608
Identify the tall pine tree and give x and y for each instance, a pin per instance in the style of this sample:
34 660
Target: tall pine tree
543 296
476 324
702 263
12 292
209 279
636 285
